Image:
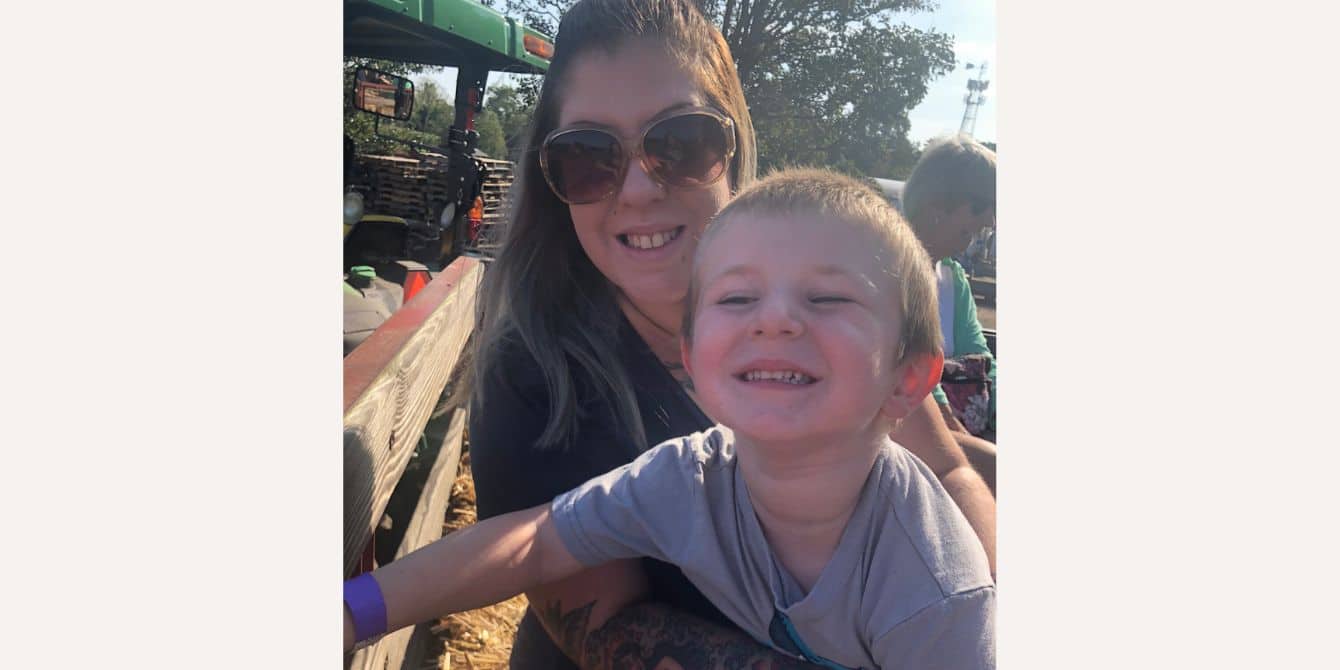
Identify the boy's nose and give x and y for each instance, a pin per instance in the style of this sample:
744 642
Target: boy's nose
776 318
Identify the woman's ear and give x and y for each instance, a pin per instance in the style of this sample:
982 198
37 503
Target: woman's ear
915 376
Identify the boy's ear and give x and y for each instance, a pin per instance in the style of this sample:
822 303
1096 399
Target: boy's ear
915 376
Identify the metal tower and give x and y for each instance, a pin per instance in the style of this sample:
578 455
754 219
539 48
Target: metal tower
973 99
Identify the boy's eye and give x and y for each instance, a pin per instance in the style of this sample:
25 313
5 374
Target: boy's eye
735 300
829 299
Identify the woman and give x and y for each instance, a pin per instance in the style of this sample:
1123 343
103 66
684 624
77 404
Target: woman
640 135
950 198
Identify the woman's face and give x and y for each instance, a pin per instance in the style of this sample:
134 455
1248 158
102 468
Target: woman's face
949 229
643 237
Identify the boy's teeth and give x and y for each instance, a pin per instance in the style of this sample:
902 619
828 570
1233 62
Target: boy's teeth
788 376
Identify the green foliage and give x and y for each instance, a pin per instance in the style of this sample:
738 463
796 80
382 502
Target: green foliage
514 110
360 125
829 82
490 131
433 113
501 126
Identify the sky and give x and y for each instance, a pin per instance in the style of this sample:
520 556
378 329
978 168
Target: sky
973 25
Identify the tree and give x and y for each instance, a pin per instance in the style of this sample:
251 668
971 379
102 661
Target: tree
490 131
828 82
832 82
360 125
433 113
514 114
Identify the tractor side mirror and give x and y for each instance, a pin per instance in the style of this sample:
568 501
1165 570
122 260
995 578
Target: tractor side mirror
384 94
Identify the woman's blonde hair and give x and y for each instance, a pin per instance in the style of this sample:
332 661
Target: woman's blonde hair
543 292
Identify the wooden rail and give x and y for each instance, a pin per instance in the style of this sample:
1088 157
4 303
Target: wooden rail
391 383
408 648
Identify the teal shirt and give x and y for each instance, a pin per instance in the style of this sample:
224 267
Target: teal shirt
968 337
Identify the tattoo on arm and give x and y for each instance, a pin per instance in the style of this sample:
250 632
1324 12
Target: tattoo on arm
568 630
652 636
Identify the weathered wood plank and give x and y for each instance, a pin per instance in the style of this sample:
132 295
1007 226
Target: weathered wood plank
377 656
391 384
425 526
408 651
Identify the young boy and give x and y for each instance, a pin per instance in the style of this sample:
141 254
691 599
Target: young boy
811 327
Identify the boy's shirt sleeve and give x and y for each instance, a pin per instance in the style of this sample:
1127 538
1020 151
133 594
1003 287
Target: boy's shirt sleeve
955 633
645 508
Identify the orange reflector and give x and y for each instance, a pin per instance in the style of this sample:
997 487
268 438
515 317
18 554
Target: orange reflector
539 47
476 218
414 282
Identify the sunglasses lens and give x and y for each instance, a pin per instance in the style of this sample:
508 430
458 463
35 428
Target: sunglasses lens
689 150
583 165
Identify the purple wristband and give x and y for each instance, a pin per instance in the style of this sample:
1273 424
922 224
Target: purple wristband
366 606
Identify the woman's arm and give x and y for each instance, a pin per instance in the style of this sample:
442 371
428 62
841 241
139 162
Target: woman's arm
474 567
924 433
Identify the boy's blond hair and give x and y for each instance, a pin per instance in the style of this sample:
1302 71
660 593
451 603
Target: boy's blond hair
827 196
953 170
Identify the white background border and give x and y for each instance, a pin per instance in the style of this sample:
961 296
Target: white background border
172 405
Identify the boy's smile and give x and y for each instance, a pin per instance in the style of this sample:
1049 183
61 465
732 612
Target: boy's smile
775 372
796 328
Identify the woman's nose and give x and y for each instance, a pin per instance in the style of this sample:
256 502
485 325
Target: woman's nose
638 187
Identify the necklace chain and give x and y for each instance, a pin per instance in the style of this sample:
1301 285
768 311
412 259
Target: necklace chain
663 329
673 335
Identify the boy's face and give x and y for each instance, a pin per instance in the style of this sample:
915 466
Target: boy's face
796 330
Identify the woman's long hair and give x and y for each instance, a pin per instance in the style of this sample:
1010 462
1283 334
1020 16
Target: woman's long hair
542 291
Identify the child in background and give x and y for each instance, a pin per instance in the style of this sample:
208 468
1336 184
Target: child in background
811 328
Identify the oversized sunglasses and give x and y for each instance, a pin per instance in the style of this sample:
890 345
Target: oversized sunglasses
690 149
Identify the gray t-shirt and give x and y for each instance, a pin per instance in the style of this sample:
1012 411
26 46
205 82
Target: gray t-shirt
907 587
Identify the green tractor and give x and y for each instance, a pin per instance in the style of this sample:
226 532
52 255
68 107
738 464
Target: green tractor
407 218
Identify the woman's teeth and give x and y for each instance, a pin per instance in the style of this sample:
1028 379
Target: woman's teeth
650 241
787 376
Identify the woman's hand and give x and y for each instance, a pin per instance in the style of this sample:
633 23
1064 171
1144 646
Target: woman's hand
951 421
